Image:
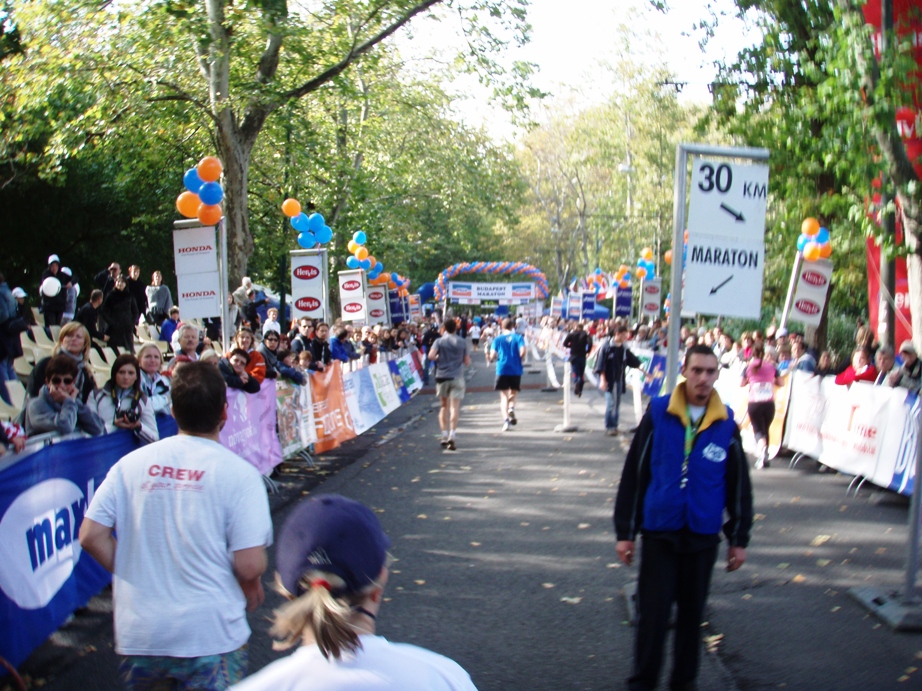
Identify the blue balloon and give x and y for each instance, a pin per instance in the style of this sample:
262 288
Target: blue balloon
317 222
802 242
324 235
598 272
360 238
365 264
352 263
395 277
299 222
211 193
306 240
192 181
822 237
379 267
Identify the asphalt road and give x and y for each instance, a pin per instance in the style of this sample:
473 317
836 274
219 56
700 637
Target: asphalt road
505 561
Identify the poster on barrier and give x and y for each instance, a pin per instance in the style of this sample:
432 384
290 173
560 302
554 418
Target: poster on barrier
289 413
409 374
417 359
384 387
308 429
250 428
855 422
331 412
362 400
397 379
806 410
896 466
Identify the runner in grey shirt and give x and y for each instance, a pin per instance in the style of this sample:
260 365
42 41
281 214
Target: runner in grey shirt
451 355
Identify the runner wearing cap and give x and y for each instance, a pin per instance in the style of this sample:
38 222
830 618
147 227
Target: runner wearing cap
332 567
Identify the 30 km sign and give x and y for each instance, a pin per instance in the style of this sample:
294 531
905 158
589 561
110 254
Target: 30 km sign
728 199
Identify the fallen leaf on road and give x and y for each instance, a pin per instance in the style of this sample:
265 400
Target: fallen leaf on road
835 609
525 523
799 578
795 499
759 517
475 544
583 526
820 540
880 550
415 479
422 515
783 565
571 600
420 582
823 562
747 596
568 438
547 585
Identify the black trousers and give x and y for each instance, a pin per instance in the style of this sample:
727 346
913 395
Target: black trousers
669 575
760 416
53 316
578 365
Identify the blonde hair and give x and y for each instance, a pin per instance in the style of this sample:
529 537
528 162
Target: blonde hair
149 346
67 330
318 611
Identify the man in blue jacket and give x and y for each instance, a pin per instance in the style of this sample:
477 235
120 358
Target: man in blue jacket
685 469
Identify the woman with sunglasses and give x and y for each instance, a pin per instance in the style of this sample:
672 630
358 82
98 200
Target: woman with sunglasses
122 404
58 407
269 349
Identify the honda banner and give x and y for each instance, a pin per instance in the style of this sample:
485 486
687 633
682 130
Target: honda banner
352 295
309 285
196 259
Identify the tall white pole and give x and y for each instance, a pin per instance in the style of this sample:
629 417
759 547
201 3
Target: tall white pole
798 259
678 268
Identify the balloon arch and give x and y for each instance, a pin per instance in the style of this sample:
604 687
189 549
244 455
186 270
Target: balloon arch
491 269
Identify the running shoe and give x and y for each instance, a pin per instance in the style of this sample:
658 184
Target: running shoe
506 425
444 442
512 419
451 445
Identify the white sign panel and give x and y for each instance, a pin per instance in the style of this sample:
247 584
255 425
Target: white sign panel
723 276
308 289
376 301
574 306
651 296
352 295
198 295
477 292
416 309
195 251
728 199
810 293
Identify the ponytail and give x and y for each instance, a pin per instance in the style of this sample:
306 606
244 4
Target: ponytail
318 610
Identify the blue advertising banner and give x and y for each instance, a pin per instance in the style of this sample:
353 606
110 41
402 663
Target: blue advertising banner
45 576
656 375
623 302
588 308
398 307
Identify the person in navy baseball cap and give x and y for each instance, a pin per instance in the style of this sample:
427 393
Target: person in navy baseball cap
331 556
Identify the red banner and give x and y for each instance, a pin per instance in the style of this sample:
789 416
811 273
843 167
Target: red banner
901 298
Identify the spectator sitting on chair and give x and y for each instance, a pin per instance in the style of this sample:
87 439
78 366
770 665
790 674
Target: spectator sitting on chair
187 340
74 342
58 407
168 326
23 308
154 385
233 369
121 404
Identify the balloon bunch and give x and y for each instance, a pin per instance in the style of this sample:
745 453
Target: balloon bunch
814 242
596 282
646 269
393 281
311 229
361 259
623 276
203 195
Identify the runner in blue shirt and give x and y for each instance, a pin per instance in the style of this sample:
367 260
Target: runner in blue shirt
508 351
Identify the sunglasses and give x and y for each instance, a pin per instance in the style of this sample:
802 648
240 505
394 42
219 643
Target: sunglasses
270 338
66 381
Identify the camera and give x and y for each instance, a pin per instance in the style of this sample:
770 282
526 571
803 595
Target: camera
129 409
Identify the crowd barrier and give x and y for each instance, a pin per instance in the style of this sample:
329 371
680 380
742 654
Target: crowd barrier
44 494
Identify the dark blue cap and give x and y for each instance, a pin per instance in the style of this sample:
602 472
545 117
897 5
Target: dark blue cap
334 534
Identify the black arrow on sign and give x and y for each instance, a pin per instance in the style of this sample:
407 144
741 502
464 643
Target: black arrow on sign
733 212
718 287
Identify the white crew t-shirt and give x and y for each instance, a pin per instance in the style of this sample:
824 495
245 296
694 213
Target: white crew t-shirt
180 508
377 666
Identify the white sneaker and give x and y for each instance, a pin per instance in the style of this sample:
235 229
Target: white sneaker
506 426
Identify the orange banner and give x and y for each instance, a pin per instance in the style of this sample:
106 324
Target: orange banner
331 412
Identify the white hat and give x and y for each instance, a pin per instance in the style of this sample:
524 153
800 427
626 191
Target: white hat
907 347
19 293
53 258
50 287
67 272
782 332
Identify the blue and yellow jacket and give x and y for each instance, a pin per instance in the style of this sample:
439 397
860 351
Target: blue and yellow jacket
652 496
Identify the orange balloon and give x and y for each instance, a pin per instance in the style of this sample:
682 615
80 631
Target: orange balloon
623 269
291 207
811 252
641 273
188 203
209 215
361 253
826 250
668 257
391 285
373 261
686 236
209 169
810 227
624 284
646 254
352 246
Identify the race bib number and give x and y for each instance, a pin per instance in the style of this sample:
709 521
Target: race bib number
762 391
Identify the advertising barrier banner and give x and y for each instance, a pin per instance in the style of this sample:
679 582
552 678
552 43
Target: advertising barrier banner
362 400
397 379
416 309
250 428
574 305
588 305
331 411
556 307
384 387
623 299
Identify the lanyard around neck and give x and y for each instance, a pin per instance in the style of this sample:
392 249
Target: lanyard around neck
691 431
